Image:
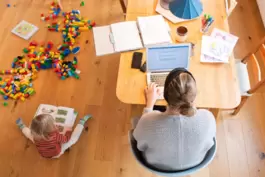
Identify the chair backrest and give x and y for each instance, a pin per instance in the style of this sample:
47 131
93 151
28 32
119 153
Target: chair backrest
138 155
257 57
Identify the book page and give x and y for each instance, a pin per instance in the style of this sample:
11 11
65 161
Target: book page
154 30
46 109
65 116
126 36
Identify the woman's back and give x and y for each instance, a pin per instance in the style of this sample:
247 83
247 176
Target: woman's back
175 142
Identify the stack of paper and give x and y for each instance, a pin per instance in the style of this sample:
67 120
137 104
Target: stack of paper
218 47
154 30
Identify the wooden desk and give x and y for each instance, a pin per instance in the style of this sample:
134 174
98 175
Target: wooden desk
217 83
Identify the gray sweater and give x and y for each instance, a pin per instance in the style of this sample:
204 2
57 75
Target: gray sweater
171 142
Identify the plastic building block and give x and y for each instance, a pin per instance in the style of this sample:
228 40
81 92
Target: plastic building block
24 68
76 50
82 3
5 104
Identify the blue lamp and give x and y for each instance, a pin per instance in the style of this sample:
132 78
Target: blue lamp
186 9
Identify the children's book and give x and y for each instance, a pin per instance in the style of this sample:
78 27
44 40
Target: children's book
25 30
64 117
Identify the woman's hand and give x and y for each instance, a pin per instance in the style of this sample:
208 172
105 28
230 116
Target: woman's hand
152 93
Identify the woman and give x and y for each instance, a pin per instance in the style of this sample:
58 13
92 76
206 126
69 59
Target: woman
179 138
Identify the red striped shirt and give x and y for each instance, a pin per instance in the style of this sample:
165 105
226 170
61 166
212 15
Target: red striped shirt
52 147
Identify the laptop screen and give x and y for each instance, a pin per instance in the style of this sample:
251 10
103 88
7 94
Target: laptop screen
166 58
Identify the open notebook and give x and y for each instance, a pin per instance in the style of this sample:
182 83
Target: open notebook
117 37
125 36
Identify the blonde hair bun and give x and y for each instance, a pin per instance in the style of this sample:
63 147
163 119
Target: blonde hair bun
180 92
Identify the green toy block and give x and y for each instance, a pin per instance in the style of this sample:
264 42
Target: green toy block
5 104
82 3
25 50
1 79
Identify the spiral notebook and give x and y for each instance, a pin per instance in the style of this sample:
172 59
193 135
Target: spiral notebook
126 36
117 37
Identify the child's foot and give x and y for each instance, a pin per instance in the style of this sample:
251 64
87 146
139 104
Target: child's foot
84 119
20 123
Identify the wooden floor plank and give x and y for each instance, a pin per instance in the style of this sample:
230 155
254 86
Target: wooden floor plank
237 157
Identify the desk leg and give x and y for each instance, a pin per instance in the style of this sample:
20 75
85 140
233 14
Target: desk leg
215 112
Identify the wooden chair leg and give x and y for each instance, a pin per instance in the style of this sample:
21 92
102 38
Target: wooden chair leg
123 6
243 100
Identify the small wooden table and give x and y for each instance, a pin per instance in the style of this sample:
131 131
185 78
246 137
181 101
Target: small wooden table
217 83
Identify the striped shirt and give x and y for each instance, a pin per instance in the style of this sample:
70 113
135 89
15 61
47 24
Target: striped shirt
52 147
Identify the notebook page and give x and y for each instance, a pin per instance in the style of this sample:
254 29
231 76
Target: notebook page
126 36
154 30
102 40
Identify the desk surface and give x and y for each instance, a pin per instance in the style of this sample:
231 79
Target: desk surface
217 83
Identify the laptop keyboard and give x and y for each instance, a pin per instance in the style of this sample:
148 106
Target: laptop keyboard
159 79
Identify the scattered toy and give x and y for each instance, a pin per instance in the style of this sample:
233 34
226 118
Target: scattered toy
38 56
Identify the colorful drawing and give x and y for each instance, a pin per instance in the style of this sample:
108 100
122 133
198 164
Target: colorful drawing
25 30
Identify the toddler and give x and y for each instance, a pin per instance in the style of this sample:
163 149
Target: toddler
45 135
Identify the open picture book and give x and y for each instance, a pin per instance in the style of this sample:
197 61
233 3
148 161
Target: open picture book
64 117
131 35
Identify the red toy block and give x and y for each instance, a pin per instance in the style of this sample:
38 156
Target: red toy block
33 43
93 24
47 18
32 55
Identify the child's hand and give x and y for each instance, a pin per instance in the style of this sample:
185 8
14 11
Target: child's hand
152 93
68 129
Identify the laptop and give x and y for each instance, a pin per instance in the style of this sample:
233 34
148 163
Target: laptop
163 59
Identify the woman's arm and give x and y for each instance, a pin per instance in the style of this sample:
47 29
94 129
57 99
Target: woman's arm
152 93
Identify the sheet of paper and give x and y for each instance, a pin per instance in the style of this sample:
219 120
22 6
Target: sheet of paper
126 36
224 36
154 30
227 37
25 30
216 48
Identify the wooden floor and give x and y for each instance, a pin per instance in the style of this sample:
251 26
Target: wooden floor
103 151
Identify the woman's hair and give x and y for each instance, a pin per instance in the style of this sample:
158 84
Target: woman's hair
180 91
41 126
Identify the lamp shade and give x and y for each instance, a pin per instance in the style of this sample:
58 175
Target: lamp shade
186 9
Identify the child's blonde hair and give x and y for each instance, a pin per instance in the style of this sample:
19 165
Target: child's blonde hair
41 126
